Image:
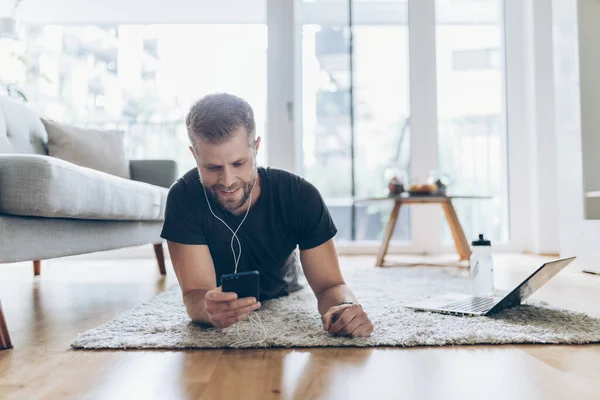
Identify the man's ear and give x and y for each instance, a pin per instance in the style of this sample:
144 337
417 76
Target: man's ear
192 151
257 144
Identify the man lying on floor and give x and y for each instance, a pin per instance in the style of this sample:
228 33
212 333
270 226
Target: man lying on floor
275 210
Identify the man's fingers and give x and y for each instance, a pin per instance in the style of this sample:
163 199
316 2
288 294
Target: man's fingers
224 322
229 313
363 330
246 301
223 306
346 316
357 332
235 318
242 310
351 326
239 303
327 320
243 316
219 296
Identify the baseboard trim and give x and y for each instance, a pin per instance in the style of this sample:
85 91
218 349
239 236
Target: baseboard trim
343 249
591 271
533 253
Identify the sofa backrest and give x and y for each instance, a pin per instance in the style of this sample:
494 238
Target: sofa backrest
21 129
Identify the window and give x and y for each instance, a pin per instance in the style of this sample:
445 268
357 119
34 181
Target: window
471 118
143 78
381 123
326 119
356 111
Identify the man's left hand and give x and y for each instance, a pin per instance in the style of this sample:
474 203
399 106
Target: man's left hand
347 320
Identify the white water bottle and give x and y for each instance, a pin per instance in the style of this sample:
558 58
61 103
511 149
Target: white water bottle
481 267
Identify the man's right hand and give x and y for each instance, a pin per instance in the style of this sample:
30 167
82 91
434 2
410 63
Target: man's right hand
225 309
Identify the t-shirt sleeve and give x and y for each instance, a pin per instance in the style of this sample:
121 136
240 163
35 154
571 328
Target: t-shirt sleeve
181 224
315 223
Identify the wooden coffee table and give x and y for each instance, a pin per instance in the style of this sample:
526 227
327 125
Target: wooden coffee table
460 241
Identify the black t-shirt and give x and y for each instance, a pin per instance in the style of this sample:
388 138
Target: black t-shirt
289 213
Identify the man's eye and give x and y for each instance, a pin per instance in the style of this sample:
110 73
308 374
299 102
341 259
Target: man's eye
213 168
237 165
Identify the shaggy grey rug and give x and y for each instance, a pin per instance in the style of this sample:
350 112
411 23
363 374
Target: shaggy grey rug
293 321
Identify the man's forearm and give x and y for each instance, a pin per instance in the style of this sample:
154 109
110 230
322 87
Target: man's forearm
333 296
194 304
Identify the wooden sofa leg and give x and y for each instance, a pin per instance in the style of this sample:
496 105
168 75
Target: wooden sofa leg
4 336
37 265
160 258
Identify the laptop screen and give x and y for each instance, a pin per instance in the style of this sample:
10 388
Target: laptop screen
538 279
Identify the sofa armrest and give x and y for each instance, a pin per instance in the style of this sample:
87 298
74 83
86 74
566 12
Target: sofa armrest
156 172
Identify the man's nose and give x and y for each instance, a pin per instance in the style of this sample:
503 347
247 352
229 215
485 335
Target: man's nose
228 177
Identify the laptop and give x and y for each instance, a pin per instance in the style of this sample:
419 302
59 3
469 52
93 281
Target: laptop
469 305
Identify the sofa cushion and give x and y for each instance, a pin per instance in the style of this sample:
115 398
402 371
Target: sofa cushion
32 238
43 186
21 129
100 150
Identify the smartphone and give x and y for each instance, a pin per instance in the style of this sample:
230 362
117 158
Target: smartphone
245 284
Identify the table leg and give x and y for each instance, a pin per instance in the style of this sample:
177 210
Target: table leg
4 336
460 241
387 236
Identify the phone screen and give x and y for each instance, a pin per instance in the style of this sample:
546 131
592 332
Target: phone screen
245 284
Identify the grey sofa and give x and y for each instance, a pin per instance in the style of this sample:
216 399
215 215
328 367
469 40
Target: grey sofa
52 208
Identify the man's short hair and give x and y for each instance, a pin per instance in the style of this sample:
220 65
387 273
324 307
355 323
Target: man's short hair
215 117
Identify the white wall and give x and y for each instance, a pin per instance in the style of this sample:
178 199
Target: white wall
280 84
543 187
531 142
589 65
578 236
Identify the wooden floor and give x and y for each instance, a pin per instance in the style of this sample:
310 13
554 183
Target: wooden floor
45 314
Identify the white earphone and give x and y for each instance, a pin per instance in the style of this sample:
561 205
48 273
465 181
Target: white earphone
236 260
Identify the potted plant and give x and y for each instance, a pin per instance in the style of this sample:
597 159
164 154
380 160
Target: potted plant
11 88
9 30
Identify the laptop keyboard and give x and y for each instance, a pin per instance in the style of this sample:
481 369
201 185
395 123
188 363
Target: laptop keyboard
473 304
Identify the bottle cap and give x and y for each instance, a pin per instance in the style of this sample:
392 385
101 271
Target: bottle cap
481 241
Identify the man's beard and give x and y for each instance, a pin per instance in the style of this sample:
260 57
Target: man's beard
233 203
